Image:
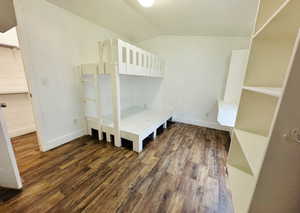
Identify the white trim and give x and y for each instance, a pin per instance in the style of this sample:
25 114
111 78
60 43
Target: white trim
21 131
63 139
24 44
202 123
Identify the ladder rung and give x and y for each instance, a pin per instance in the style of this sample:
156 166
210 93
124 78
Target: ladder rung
86 81
89 99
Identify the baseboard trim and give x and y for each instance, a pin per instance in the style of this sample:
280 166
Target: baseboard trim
62 140
21 131
207 124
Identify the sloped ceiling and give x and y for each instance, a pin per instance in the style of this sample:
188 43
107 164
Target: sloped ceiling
167 17
7 15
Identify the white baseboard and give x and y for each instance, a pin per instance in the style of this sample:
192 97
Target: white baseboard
62 140
21 131
201 123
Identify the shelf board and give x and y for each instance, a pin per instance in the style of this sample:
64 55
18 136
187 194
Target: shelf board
266 10
227 113
273 91
254 147
242 186
8 92
9 46
282 23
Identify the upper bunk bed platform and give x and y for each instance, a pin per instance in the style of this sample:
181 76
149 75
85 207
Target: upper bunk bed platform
125 59
136 124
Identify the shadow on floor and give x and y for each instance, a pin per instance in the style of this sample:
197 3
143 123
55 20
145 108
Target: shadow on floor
7 194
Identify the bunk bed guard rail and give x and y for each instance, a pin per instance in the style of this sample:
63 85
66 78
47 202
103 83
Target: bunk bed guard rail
130 59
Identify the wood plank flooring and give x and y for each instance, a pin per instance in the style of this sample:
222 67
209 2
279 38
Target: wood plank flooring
183 170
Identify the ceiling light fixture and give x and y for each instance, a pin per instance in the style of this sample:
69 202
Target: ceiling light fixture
146 3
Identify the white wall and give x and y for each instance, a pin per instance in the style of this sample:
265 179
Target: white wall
196 74
9 37
53 42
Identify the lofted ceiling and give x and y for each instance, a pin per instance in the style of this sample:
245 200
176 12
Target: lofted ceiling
167 17
7 15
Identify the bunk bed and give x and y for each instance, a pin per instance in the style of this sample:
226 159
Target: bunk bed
135 123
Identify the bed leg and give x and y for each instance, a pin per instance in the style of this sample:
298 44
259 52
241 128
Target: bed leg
117 140
154 134
138 145
89 131
100 135
165 125
108 137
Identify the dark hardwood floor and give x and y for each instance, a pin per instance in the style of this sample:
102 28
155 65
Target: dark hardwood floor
183 170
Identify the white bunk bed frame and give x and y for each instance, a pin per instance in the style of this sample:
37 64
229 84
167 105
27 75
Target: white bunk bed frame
135 124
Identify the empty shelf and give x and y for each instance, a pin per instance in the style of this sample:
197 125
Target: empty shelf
254 147
282 23
266 90
6 92
227 113
242 186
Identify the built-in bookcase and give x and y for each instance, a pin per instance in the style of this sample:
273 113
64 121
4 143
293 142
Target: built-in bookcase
272 50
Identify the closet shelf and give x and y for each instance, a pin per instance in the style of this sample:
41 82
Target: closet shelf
227 113
242 186
273 91
266 10
9 46
282 23
7 92
254 147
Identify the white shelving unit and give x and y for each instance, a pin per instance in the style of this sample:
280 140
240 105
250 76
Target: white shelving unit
252 147
272 61
117 57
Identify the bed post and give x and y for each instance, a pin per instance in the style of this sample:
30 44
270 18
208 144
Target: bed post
98 105
100 70
79 75
138 145
116 92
